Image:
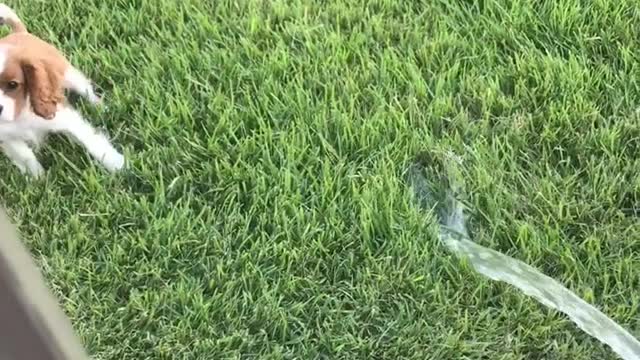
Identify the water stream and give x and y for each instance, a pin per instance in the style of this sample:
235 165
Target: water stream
499 267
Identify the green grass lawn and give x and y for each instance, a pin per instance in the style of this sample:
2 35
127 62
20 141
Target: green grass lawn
266 212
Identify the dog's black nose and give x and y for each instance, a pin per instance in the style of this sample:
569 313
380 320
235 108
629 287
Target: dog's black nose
1 107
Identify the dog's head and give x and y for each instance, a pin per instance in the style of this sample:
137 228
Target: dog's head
29 81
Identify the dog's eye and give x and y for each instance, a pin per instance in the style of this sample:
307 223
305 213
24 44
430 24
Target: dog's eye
12 85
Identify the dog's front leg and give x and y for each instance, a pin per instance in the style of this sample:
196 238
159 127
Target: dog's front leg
69 121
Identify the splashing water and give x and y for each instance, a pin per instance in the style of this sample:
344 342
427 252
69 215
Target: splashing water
499 267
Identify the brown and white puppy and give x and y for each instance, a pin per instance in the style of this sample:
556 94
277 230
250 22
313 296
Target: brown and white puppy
33 77
74 79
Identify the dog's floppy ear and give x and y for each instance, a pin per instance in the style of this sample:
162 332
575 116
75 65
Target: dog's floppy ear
44 86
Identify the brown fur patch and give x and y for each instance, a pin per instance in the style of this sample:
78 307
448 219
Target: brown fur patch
44 87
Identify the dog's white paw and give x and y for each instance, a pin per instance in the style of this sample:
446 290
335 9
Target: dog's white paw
36 170
33 168
113 161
